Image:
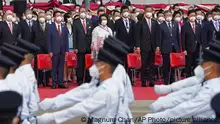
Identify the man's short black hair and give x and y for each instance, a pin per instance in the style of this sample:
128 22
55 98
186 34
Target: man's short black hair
100 10
115 11
167 11
77 5
176 13
160 12
191 11
215 10
175 5
82 7
55 12
197 10
148 6
117 6
124 7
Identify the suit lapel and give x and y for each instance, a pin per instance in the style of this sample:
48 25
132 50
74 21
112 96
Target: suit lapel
123 25
6 24
81 25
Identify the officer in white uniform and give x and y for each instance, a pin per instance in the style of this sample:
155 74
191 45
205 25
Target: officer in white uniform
5 64
198 107
102 103
10 105
29 110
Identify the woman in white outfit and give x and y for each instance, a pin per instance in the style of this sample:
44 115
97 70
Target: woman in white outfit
99 34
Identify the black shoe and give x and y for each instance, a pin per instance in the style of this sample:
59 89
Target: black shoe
79 83
144 85
151 84
53 86
62 86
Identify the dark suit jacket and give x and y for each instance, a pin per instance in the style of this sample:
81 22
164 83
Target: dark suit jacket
57 44
165 39
25 31
82 40
190 40
40 36
146 39
6 35
209 33
122 34
111 24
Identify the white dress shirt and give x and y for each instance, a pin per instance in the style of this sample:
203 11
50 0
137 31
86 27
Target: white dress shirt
127 26
60 27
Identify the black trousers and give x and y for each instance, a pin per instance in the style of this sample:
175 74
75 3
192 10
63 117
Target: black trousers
58 61
147 68
191 62
81 68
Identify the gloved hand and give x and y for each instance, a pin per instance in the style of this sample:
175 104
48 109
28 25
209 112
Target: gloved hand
46 104
45 118
162 89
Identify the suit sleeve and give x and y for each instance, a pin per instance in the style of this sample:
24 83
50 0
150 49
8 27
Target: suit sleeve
67 40
200 103
183 33
49 39
178 35
159 35
117 29
137 33
74 36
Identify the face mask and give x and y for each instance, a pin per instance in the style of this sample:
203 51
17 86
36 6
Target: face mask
148 14
199 17
9 18
69 20
161 19
35 19
23 17
82 15
77 10
14 19
98 2
0 20
192 19
29 16
118 9
200 72
41 20
94 71
126 14
137 13
116 18
210 19
48 17
169 19
177 19
59 19
88 16
216 17
104 22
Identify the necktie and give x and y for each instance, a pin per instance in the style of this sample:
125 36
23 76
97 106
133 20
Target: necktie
11 27
84 26
217 26
59 30
149 24
170 27
126 24
43 28
194 29
29 25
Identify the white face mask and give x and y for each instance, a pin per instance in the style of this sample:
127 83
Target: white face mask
177 19
192 19
148 14
216 18
201 73
104 22
199 17
29 16
41 20
169 19
98 2
69 20
126 14
116 18
88 16
137 13
59 18
9 18
24 17
161 19
35 19
94 71
210 19
14 19
48 17
82 15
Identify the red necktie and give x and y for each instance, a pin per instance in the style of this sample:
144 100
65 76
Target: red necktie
84 26
149 24
193 26
11 27
59 30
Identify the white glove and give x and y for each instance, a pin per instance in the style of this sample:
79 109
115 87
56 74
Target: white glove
46 104
162 89
45 118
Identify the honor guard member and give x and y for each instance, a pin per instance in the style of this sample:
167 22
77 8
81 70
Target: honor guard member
10 106
26 69
29 110
102 103
200 100
5 64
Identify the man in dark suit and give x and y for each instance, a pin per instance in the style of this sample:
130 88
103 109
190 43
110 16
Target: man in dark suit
8 29
212 28
25 26
191 40
57 46
95 19
116 16
168 39
82 34
39 33
124 28
146 44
